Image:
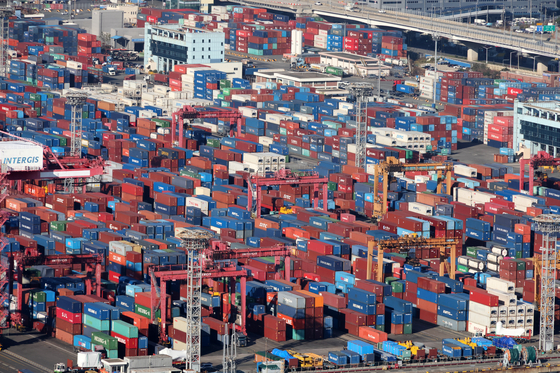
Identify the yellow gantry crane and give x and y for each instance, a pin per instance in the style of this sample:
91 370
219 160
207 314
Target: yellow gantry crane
392 165
406 243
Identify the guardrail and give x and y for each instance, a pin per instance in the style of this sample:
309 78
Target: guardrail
533 44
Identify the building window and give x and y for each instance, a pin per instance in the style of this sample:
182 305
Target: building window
203 49
208 56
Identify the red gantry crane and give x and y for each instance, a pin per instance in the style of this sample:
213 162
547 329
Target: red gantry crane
541 159
214 267
188 113
286 177
57 168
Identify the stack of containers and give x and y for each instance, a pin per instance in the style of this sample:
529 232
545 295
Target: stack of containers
68 320
500 132
393 47
117 259
400 313
292 309
274 328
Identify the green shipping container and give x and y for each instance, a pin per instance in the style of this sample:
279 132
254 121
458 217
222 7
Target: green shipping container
389 280
145 311
102 339
298 334
113 354
397 287
103 325
407 329
39 297
380 328
124 329
471 251
332 186
520 264
215 143
59 226
462 268
334 71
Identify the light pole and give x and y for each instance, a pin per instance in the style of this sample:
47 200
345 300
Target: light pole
534 59
487 53
435 36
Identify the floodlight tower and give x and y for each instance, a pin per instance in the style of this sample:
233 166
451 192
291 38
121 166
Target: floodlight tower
76 101
5 14
195 241
361 92
549 225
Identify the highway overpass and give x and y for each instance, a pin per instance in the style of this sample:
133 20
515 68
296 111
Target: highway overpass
530 44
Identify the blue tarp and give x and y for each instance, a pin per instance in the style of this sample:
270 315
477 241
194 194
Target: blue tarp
282 353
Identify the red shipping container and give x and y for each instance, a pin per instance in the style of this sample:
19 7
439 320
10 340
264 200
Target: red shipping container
354 317
275 335
372 334
483 297
274 323
74 318
333 300
127 342
431 285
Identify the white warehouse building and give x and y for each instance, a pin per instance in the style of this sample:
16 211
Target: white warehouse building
174 44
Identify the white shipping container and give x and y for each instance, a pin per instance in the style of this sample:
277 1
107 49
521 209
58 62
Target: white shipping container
199 203
382 140
74 65
202 191
20 156
475 328
489 321
483 309
463 170
500 285
420 208
481 197
180 323
493 266
119 247
507 298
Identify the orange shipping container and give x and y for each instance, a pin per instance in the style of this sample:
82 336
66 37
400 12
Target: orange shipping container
14 204
372 334
295 233
261 223
63 336
140 321
116 258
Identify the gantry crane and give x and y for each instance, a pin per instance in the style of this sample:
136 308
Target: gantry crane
178 273
392 165
541 159
212 268
53 167
406 243
286 177
188 113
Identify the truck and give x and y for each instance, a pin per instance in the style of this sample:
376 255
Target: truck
406 89
480 22
336 71
109 69
351 7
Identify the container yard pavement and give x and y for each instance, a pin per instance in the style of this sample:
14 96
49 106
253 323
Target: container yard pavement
33 351
423 332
